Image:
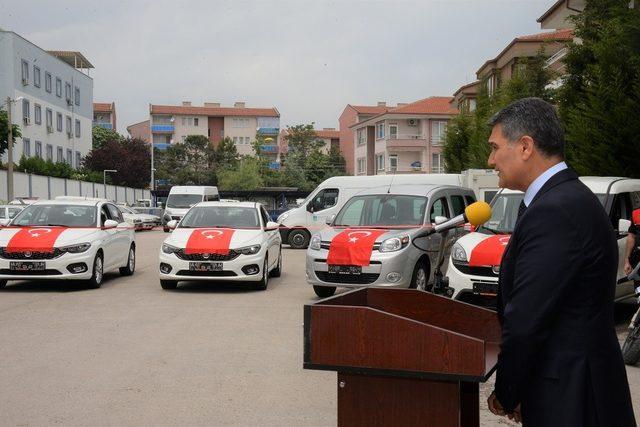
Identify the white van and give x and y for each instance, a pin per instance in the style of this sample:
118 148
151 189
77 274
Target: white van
182 197
297 225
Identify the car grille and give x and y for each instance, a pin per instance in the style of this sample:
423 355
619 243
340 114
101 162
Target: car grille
206 273
175 217
325 244
476 271
364 278
210 257
30 273
33 255
322 260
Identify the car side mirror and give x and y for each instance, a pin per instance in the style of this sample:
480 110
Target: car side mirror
310 207
172 224
110 224
4 222
330 219
623 225
441 220
271 226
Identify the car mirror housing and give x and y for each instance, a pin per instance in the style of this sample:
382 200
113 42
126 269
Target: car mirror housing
172 224
440 220
110 224
330 219
4 222
271 226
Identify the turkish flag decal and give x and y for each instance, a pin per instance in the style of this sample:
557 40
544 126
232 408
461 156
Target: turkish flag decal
34 239
489 251
209 241
353 247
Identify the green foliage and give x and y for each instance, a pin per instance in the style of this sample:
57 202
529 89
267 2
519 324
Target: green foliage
4 132
38 166
226 154
245 177
130 157
191 162
456 147
600 98
101 136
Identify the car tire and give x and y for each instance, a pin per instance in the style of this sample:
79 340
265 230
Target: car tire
299 239
631 347
3 283
420 276
169 284
262 284
130 268
277 272
97 274
324 291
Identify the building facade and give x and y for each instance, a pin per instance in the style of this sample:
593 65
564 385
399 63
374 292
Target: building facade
104 115
140 130
172 124
405 139
53 100
351 115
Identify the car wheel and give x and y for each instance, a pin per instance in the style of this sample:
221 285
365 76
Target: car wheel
98 273
131 263
262 284
420 277
277 272
324 291
169 284
3 283
299 239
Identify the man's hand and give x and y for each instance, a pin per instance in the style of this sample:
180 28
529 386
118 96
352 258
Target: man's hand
516 415
494 405
627 267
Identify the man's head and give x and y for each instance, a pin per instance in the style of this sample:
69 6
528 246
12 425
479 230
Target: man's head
526 140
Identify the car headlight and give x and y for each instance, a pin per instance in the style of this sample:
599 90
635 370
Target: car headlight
458 253
393 244
282 217
137 221
76 249
168 249
249 250
315 243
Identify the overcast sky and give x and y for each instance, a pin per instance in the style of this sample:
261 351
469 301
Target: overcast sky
307 58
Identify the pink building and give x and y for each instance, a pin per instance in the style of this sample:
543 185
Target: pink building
351 115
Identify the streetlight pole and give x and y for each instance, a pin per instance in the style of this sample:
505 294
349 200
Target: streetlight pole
104 179
9 153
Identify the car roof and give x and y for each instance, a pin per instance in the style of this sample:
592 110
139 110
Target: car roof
410 190
228 205
75 202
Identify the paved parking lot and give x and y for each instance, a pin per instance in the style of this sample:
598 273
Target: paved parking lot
132 354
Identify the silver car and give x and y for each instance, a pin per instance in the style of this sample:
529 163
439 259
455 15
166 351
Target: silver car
395 215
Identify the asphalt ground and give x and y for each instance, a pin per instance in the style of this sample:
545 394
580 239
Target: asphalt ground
130 353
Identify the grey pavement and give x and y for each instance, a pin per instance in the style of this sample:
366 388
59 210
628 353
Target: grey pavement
130 353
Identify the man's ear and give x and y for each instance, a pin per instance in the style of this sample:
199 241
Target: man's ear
526 146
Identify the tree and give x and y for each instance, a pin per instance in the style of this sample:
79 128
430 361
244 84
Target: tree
101 136
4 132
456 145
600 97
189 163
131 158
245 177
226 154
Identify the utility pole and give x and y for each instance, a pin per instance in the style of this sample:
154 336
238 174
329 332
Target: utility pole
9 153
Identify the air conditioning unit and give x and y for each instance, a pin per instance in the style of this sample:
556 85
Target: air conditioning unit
49 129
69 101
27 120
25 82
412 122
69 135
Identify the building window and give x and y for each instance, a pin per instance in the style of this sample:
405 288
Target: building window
39 149
59 158
77 95
26 110
37 114
26 147
472 104
36 76
393 162
67 91
380 130
47 82
25 72
59 122
380 162
68 126
437 165
240 122
438 130
490 85
58 87
163 120
78 160
49 152
362 136
393 131
235 140
49 120
362 165
195 121
77 128
69 157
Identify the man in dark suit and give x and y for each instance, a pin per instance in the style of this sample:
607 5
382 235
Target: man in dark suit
560 362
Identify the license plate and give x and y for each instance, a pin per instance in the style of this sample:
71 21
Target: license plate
26 265
345 269
205 266
485 288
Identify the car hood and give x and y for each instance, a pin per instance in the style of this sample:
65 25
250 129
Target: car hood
176 211
69 236
240 238
484 249
327 234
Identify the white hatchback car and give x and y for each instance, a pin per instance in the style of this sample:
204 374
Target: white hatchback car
66 239
222 241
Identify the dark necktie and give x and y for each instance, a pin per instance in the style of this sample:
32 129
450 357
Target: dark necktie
521 209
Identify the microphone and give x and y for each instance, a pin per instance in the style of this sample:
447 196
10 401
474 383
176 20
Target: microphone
476 213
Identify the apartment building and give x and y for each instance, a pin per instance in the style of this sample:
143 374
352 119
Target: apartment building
104 115
330 137
351 115
140 130
172 124
53 99
405 139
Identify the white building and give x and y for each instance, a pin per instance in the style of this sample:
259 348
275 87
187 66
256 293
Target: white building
54 99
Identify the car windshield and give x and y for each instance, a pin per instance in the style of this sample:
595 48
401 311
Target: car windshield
183 200
504 213
221 216
126 210
60 215
385 210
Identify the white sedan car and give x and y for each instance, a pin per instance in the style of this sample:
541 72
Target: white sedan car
222 241
139 220
66 239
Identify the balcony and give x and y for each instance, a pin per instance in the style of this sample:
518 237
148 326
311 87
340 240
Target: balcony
406 141
161 145
163 128
274 165
103 125
269 148
268 131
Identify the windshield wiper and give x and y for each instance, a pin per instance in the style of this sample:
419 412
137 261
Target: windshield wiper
57 225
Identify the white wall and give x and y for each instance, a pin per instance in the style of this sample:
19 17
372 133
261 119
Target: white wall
41 186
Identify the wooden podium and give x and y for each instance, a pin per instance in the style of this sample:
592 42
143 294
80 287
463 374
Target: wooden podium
404 357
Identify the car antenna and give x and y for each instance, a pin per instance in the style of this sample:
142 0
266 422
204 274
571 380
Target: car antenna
391 183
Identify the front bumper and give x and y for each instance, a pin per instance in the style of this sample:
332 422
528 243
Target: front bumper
55 269
231 270
467 282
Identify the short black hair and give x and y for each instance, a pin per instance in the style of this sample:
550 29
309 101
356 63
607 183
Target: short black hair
536 118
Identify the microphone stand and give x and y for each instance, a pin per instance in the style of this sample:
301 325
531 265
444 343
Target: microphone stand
440 281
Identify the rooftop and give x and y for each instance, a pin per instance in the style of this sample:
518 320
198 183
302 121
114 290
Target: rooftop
71 57
214 111
102 107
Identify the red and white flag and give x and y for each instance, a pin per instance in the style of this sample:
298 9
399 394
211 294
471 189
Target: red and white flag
209 241
34 239
353 247
489 252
